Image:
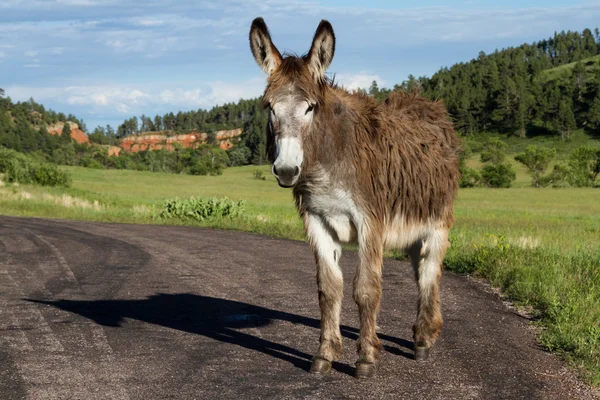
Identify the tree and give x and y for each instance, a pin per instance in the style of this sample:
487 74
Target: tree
1 93
496 172
564 122
374 89
498 175
494 151
66 133
536 159
593 117
584 166
211 138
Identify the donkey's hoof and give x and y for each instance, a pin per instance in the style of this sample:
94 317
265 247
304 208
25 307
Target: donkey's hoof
320 366
364 370
422 353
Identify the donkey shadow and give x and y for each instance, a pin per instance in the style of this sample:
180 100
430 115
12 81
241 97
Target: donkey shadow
215 318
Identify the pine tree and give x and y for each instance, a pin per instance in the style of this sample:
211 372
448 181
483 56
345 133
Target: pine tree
593 117
565 119
66 133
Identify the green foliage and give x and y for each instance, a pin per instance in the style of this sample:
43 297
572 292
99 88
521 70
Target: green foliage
47 174
494 151
563 288
239 155
498 175
200 209
558 178
17 167
258 174
584 164
66 133
536 159
469 177
496 172
546 86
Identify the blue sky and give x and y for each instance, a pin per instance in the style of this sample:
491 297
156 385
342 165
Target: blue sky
107 60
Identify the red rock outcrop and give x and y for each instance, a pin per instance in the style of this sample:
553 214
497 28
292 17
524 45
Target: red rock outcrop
157 141
76 133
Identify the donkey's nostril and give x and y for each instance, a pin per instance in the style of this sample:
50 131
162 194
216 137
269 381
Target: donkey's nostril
296 171
274 170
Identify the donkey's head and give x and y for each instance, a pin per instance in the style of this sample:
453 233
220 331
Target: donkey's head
294 94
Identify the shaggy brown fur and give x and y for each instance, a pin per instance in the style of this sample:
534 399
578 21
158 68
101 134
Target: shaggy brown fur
398 163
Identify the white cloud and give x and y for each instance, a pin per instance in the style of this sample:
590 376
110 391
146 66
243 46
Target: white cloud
127 99
359 81
56 50
31 53
31 65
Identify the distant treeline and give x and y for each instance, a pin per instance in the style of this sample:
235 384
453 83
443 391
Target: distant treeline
23 126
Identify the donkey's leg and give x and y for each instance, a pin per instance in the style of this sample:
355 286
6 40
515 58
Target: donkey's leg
367 295
427 258
330 283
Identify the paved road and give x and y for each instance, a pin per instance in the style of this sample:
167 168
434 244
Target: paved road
102 311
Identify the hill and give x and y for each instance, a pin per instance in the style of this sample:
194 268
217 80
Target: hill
564 71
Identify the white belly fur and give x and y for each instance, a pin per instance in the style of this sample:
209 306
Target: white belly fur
342 217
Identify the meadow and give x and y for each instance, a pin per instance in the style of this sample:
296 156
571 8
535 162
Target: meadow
541 247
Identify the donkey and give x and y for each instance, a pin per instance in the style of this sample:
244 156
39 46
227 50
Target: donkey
382 175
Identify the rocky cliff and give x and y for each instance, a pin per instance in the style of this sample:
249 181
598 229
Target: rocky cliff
158 140
76 133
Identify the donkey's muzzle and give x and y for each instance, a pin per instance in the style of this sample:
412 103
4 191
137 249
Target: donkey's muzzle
286 176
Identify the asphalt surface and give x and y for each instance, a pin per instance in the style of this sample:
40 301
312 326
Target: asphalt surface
108 311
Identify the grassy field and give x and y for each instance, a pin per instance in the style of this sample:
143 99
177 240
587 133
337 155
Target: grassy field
540 246
564 70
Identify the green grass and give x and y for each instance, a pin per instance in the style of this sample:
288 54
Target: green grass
541 246
564 70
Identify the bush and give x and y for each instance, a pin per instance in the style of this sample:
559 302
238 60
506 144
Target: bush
259 175
200 209
48 174
584 165
558 178
469 177
498 175
89 162
17 167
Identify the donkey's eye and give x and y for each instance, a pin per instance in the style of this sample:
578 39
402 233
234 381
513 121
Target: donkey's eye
309 109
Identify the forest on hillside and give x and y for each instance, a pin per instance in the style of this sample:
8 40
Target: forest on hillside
550 87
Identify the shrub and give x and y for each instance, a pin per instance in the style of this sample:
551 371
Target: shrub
259 175
90 162
558 178
496 172
200 209
584 165
17 167
48 174
498 175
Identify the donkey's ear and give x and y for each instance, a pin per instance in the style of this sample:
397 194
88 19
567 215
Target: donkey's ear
322 49
265 53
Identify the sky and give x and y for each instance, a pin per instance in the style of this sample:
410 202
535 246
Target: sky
107 60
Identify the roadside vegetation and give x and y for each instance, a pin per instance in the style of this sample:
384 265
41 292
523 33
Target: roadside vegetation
541 246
